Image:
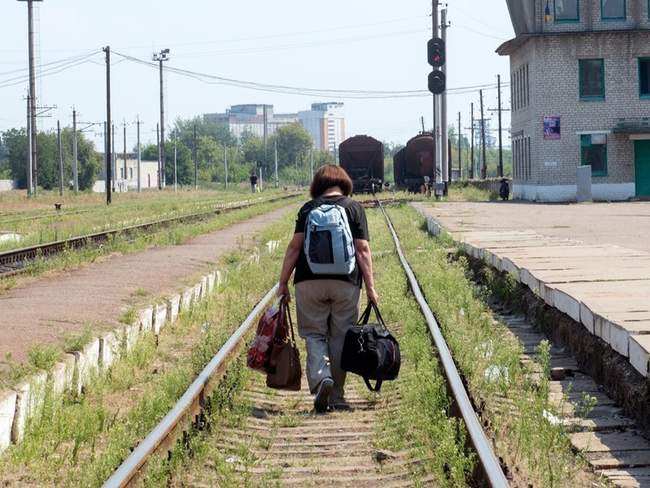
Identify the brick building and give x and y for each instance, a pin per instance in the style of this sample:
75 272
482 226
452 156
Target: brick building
580 88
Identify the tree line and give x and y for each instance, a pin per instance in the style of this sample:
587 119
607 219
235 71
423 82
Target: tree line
213 143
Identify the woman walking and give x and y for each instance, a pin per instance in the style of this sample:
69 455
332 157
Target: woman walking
331 255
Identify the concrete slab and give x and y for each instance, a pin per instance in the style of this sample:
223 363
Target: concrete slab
204 287
173 307
87 364
197 295
29 397
640 353
109 350
212 279
186 299
145 318
7 413
130 335
62 375
159 318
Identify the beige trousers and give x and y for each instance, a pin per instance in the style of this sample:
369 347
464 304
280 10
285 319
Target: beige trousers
326 309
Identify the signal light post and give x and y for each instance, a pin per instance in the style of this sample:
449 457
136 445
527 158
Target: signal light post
437 84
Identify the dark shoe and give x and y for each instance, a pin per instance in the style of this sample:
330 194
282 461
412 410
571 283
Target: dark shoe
321 401
341 406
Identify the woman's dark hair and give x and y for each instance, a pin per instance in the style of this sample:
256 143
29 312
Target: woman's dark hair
329 176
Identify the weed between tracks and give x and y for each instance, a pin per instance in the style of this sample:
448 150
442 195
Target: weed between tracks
80 440
516 407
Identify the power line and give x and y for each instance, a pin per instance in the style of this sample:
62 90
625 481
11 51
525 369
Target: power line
286 89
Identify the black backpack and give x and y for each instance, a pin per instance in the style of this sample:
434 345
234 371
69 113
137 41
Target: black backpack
371 351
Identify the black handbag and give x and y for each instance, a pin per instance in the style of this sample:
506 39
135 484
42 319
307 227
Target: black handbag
371 351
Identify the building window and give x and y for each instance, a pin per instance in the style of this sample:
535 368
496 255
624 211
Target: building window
612 9
644 77
593 149
567 10
592 79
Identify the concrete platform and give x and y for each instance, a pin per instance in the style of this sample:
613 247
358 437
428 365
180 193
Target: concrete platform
591 262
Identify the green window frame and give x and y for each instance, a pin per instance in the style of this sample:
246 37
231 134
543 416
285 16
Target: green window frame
590 153
566 19
620 17
644 85
583 83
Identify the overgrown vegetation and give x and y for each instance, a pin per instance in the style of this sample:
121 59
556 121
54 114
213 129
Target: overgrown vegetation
79 441
517 407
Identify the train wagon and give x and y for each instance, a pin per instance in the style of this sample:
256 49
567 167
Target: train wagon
418 163
363 158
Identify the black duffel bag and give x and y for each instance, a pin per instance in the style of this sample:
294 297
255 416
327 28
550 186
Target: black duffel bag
371 351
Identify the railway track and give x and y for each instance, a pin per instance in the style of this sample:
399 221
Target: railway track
318 451
15 261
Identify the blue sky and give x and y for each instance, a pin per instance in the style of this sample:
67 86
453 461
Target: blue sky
367 45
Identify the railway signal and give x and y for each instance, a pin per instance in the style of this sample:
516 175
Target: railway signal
437 82
437 58
436 52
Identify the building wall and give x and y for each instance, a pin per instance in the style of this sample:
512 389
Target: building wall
7 185
554 91
148 176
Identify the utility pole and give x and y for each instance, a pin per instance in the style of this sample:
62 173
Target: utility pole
460 159
60 147
446 163
107 151
75 153
175 167
266 132
436 146
471 162
500 130
32 94
159 163
422 122
483 156
139 154
275 151
449 160
196 168
114 155
30 163
225 165
161 57
126 174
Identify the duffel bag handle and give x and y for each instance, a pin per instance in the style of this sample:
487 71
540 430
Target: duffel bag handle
377 386
365 316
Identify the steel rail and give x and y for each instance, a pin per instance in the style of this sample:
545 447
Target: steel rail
488 460
12 262
197 392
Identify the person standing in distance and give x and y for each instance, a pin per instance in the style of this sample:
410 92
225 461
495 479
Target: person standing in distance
253 179
331 256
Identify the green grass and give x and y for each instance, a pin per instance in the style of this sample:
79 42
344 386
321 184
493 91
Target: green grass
37 222
79 441
514 403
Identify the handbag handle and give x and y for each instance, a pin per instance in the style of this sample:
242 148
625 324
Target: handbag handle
365 317
285 313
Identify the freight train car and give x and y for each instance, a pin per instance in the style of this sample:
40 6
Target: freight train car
416 163
363 158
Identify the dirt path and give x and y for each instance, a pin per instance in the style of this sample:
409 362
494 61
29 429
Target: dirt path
44 311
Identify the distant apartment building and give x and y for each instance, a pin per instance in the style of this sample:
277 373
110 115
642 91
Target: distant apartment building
148 175
251 118
325 122
580 95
